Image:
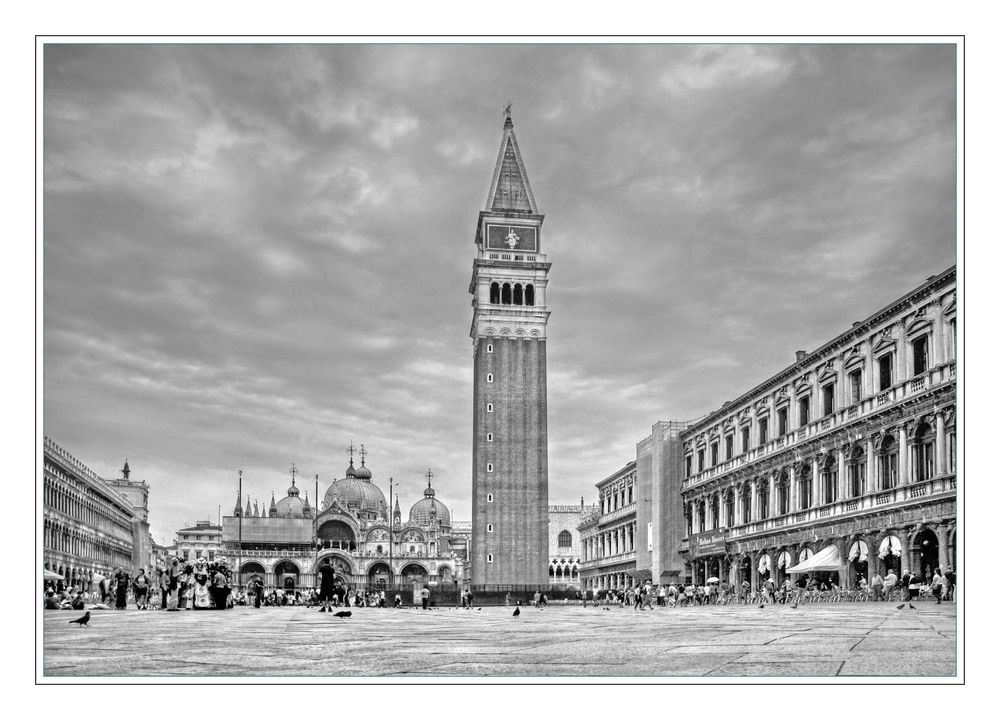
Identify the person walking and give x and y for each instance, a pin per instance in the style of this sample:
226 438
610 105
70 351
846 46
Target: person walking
800 588
937 583
425 598
890 583
220 593
173 585
326 575
121 589
140 585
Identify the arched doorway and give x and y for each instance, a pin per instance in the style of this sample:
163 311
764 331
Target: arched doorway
857 556
286 575
378 576
889 553
250 569
415 576
743 574
925 553
445 574
336 534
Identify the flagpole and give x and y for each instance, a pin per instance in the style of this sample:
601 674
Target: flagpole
239 543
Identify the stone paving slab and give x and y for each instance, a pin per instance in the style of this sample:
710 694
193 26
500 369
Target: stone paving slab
857 639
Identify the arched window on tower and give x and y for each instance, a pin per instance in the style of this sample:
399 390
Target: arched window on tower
565 539
505 294
518 294
495 293
529 294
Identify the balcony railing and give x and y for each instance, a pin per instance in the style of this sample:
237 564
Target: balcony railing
878 499
608 560
875 403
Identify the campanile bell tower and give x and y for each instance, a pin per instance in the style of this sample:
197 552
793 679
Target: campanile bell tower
510 478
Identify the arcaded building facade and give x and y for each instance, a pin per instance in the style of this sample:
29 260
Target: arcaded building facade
88 525
565 544
510 427
608 533
848 454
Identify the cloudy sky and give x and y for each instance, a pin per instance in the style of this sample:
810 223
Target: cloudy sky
254 255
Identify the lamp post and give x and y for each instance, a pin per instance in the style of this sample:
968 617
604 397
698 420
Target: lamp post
392 532
316 530
239 542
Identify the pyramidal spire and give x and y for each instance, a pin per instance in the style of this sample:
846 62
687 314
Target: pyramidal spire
510 189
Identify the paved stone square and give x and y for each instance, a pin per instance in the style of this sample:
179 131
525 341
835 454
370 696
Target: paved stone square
848 640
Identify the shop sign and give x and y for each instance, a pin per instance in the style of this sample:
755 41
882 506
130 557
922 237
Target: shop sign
708 543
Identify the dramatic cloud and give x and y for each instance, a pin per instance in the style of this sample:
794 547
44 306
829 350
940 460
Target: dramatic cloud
254 255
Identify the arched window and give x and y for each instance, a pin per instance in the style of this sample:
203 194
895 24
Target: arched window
715 512
829 479
923 453
505 294
529 294
495 293
565 539
745 497
552 571
856 470
688 513
701 516
518 294
805 487
730 508
888 463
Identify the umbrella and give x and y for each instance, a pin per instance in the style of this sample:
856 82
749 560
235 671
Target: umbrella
49 575
711 580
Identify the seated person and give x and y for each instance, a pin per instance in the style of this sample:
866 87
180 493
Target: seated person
50 601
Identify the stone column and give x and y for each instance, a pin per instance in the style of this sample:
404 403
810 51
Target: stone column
939 445
754 510
793 490
841 473
772 494
870 479
904 458
815 483
694 517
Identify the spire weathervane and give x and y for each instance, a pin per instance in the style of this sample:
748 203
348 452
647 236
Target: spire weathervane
364 454
350 451
506 110
429 476
293 473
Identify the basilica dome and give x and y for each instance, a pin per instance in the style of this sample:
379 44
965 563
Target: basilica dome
423 510
356 494
291 505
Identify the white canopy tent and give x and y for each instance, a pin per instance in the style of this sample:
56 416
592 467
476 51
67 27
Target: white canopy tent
826 559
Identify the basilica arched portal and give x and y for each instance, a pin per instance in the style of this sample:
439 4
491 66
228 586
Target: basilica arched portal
336 534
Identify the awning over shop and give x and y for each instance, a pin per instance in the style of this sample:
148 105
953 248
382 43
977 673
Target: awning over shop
784 560
858 551
805 554
889 545
826 559
669 575
764 564
644 574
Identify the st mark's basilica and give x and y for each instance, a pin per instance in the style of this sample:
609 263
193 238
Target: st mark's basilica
367 546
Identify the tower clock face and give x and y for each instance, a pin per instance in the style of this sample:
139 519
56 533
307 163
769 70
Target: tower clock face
512 238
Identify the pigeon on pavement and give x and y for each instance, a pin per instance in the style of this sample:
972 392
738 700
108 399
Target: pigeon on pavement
82 621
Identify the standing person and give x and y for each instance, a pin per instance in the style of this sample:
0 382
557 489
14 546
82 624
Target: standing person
140 585
326 575
506 601
905 583
800 588
937 583
876 586
162 587
258 592
121 589
949 576
535 598
220 592
468 597
425 597
173 584
397 601
890 583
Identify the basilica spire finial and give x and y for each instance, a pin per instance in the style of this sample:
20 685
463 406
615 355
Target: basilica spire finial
364 454
429 476
350 451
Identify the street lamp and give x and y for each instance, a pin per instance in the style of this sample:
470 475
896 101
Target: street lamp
392 532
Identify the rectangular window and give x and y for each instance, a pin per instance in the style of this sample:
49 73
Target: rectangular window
855 378
489 527
489 467
489 437
885 372
729 447
489 407
489 557
687 466
803 411
701 460
920 355
489 497
782 422
828 399
746 438
715 454
762 431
